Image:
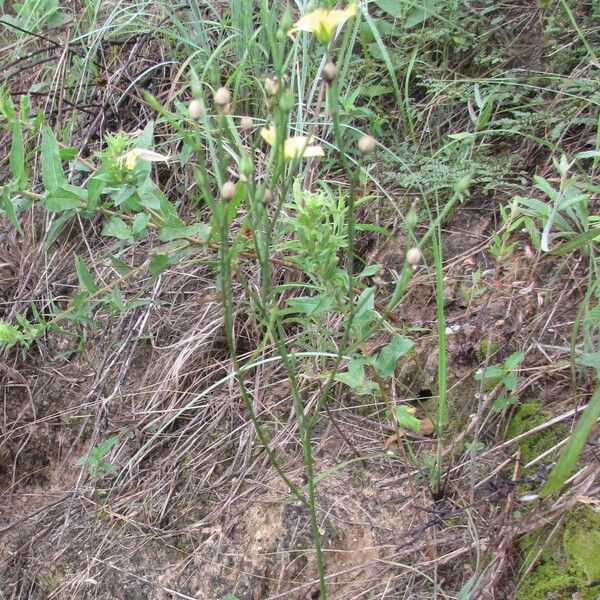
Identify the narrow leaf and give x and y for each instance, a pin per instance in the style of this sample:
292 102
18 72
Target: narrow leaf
7 207
52 173
568 457
17 156
86 281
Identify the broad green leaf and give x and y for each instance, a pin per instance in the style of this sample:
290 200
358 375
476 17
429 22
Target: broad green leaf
86 281
63 197
198 230
140 223
122 194
356 378
493 372
159 263
513 361
311 305
388 356
117 228
121 266
568 457
8 208
95 186
419 14
590 359
17 156
370 270
406 420
392 7
52 173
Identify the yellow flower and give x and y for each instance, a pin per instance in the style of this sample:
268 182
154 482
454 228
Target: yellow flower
298 146
129 159
323 22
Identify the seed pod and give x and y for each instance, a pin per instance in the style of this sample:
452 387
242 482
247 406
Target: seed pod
413 257
195 109
222 96
246 123
366 144
271 86
228 190
267 196
330 71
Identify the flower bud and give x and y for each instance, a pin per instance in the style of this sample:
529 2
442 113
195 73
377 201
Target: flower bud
228 190
366 144
246 167
286 102
222 97
246 123
330 71
271 86
413 257
411 219
195 109
267 196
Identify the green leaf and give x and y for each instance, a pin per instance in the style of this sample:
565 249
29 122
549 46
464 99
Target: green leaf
590 359
198 230
406 420
8 208
63 197
356 378
546 187
493 372
121 266
419 14
95 186
370 270
388 356
392 7
570 454
140 222
463 135
17 156
311 305
159 263
86 281
513 361
52 173
55 228
117 228
577 242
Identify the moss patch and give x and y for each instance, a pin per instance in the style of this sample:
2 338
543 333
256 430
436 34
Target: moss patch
527 416
570 563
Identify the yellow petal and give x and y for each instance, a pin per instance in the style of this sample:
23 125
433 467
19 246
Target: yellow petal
293 147
268 134
300 146
323 22
130 158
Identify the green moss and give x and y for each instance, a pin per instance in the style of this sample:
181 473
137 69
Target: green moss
569 563
581 540
527 416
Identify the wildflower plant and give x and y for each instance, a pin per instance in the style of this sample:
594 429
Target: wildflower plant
248 172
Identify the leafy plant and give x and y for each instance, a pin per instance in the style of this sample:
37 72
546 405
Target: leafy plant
504 374
97 465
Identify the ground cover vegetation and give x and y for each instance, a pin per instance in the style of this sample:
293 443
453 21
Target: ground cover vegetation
299 300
